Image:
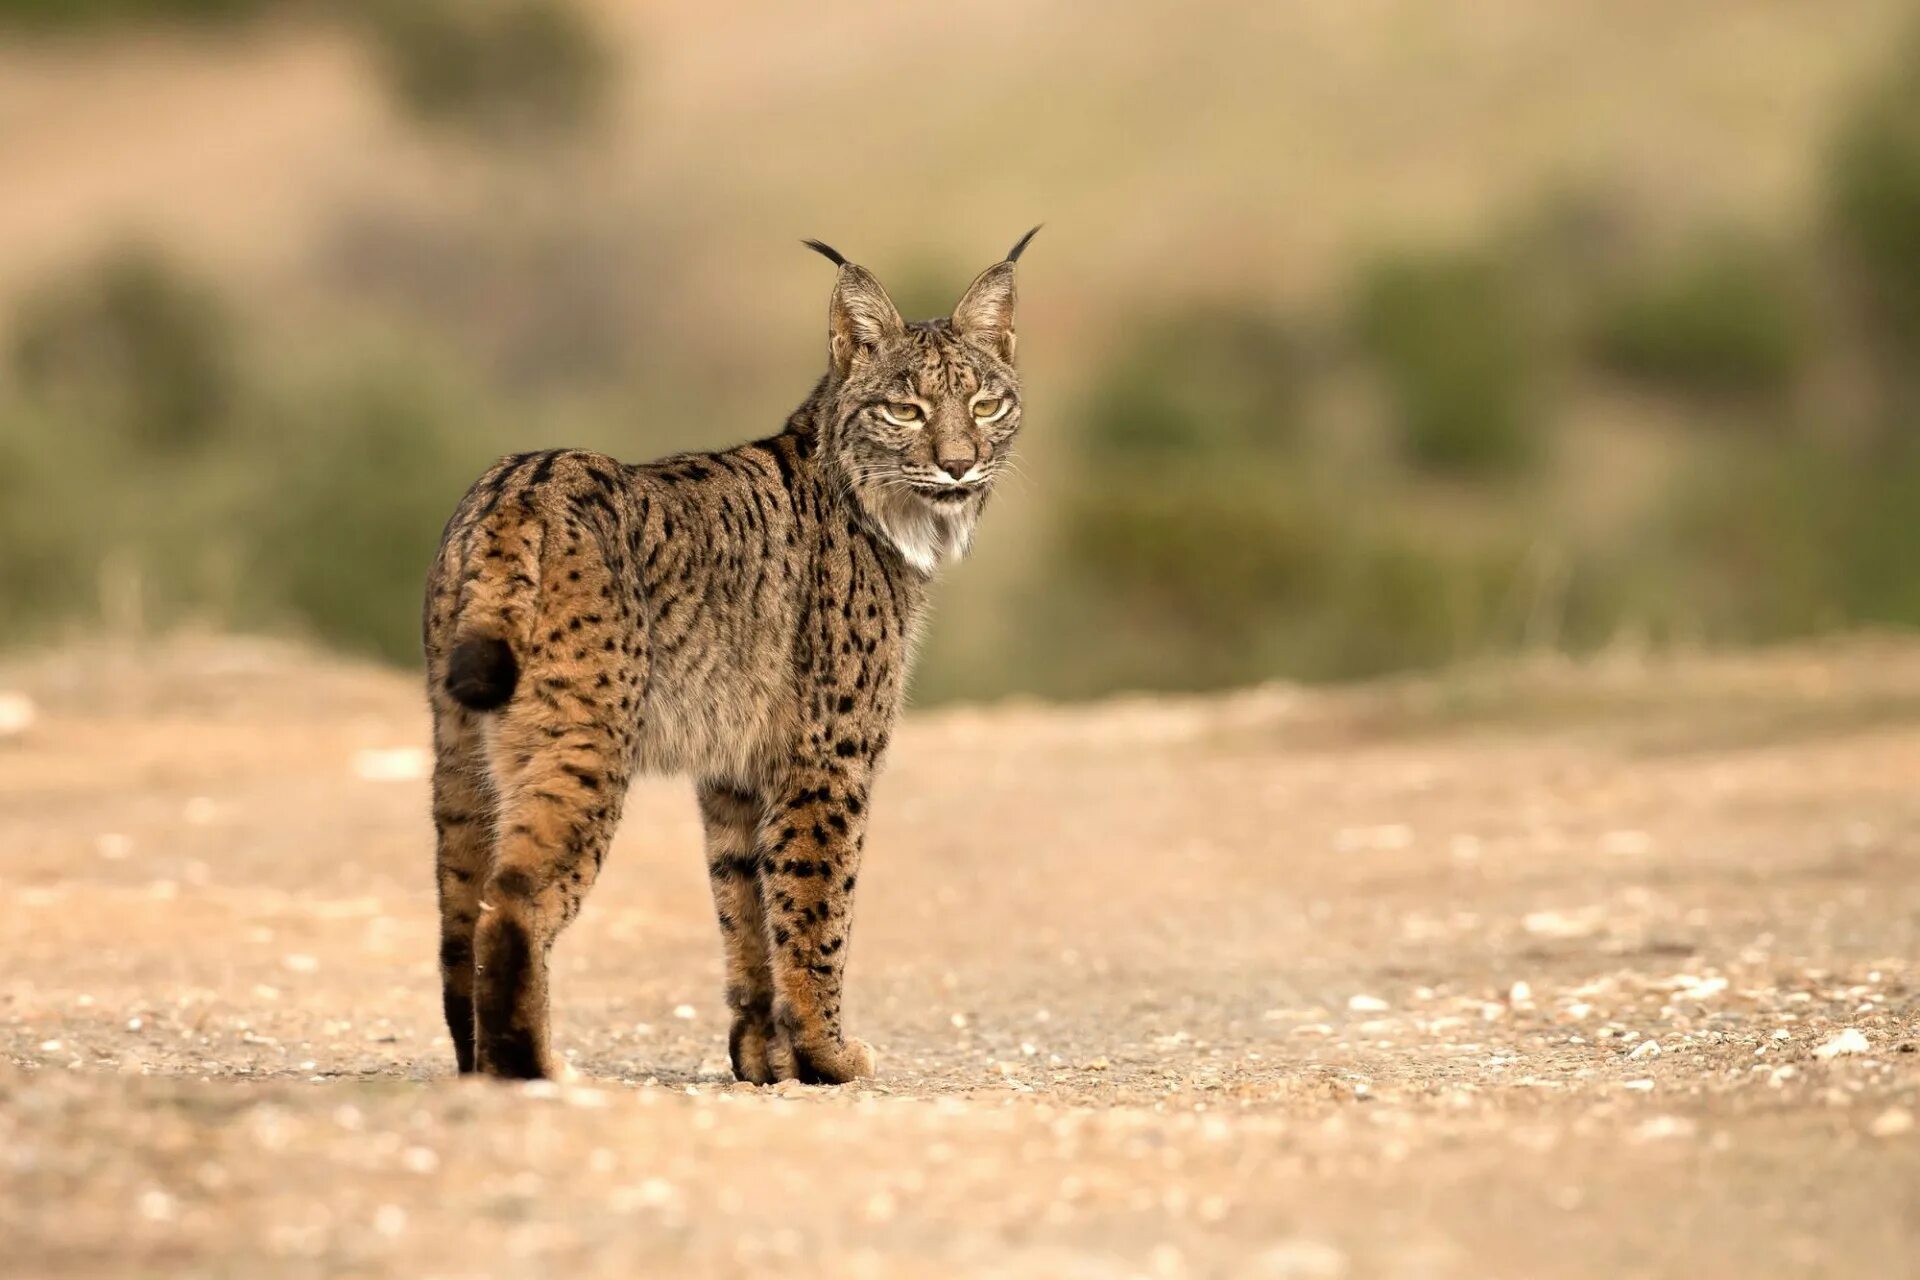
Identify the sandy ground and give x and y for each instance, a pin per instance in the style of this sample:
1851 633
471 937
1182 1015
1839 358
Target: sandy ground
1597 971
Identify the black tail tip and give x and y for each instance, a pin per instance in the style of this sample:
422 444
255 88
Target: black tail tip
482 673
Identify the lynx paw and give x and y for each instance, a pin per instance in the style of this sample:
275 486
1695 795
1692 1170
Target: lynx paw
753 1046
832 1063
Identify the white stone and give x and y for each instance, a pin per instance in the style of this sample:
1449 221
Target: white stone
1850 1041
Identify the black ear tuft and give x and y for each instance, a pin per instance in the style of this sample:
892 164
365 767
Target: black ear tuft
1013 255
833 255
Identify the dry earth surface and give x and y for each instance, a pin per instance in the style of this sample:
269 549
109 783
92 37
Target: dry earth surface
1604 970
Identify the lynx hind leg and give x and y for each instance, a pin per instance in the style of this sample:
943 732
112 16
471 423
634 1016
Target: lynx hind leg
463 823
562 777
732 818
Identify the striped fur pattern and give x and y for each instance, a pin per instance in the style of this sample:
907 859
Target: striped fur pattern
745 617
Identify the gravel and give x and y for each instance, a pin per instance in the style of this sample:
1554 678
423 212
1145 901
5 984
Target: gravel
1573 970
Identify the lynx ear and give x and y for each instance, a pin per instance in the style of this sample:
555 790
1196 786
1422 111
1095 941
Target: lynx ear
860 315
986 309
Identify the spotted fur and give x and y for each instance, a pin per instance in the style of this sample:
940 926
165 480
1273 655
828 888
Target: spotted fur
745 617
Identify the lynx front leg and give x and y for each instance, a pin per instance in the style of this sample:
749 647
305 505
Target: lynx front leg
732 817
809 861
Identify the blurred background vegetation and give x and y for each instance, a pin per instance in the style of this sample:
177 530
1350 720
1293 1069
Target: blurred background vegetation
1409 333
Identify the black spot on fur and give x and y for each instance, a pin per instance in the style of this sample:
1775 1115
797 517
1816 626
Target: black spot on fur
514 882
455 952
482 673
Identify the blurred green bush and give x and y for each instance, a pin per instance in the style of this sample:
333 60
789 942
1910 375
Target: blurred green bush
1787 539
50 478
1724 316
503 68
1448 335
155 470
72 13
1212 538
1198 386
341 534
131 348
1874 210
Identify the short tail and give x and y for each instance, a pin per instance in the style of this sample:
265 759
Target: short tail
493 623
482 673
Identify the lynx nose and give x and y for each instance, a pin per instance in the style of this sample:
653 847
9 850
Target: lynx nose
956 467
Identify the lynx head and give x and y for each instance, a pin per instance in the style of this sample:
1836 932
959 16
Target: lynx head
920 416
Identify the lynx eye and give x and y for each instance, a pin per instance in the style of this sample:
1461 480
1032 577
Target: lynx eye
990 408
903 414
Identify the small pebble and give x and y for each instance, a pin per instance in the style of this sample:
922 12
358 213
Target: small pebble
156 1206
1850 1041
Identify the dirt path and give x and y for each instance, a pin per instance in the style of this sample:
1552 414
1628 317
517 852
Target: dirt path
1284 985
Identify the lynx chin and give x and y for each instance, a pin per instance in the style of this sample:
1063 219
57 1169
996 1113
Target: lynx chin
745 617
